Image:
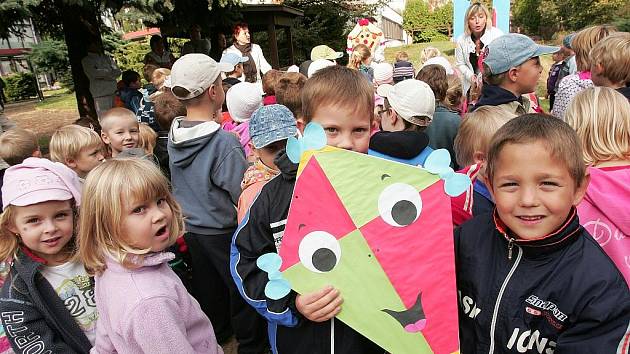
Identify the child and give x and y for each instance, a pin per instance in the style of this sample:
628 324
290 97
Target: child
289 92
242 101
342 102
511 69
554 72
610 63
360 59
445 123
233 77
407 111
600 117
77 147
128 219
119 130
403 68
582 43
18 144
530 278
47 301
383 74
167 108
471 150
147 138
269 86
269 128
455 95
146 110
428 53
129 90
207 166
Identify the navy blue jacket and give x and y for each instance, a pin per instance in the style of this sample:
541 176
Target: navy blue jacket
559 294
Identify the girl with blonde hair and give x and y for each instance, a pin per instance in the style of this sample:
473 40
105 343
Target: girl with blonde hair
601 117
582 43
360 59
128 219
48 297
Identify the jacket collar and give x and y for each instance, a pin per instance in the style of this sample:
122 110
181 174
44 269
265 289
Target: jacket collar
137 262
568 232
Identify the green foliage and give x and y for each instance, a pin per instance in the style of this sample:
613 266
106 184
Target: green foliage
20 86
130 55
426 25
50 55
324 22
545 17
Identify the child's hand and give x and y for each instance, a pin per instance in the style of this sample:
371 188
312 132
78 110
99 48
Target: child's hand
321 305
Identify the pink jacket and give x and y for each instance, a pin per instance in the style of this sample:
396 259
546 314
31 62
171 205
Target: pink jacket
605 213
148 310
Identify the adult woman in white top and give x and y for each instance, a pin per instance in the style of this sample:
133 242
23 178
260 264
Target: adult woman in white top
478 33
244 47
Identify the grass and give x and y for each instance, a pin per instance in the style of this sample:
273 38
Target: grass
61 99
448 50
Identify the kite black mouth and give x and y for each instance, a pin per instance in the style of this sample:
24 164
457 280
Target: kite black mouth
413 320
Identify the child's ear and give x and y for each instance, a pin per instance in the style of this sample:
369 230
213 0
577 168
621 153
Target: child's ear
512 74
300 124
72 163
597 69
580 190
37 153
12 228
105 138
479 157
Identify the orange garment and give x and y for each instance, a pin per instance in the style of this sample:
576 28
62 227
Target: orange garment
254 179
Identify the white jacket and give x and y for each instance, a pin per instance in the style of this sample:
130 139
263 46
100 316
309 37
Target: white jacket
102 72
259 59
465 46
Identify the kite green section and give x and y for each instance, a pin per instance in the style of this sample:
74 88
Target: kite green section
375 174
363 283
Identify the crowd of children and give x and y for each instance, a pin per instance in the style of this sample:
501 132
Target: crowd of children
191 173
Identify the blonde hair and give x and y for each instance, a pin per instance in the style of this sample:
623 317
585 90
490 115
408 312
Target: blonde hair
111 115
360 53
613 54
473 10
601 117
10 242
337 85
428 53
108 189
147 138
17 144
402 56
585 40
159 76
454 94
68 141
476 130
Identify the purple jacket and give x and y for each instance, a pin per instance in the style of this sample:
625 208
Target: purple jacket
148 310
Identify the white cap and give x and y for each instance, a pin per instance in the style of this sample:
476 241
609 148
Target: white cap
383 73
243 100
317 65
293 69
441 61
196 72
410 99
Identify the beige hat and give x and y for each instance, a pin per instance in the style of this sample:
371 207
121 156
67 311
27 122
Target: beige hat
410 99
324 52
196 72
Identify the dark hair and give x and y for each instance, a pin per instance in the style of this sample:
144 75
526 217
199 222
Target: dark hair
435 76
90 123
167 108
155 39
238 27
289 92
269 81
129 76
558 137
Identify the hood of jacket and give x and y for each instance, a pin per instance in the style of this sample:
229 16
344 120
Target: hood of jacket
288 169
492 95
609 194
402 144
187 142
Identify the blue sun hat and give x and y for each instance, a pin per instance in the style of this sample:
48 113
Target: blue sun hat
512 50
270 124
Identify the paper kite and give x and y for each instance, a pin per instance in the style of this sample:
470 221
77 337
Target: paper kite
366 33
381 233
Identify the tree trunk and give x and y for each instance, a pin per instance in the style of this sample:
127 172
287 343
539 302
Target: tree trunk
80 28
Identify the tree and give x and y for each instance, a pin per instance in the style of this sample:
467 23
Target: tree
79 24
52 56
426 25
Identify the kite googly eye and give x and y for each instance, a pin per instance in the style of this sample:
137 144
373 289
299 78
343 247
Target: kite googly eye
319 252
399 204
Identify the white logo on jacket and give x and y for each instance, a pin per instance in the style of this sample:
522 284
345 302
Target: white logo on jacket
528 340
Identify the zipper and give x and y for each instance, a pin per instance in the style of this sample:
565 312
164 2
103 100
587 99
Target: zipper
495 313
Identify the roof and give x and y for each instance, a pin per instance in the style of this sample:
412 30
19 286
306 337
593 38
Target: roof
273 8
11 52
140 34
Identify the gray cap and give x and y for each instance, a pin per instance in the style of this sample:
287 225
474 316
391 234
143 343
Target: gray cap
512 50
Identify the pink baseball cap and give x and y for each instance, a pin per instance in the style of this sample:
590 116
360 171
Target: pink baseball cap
38 180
